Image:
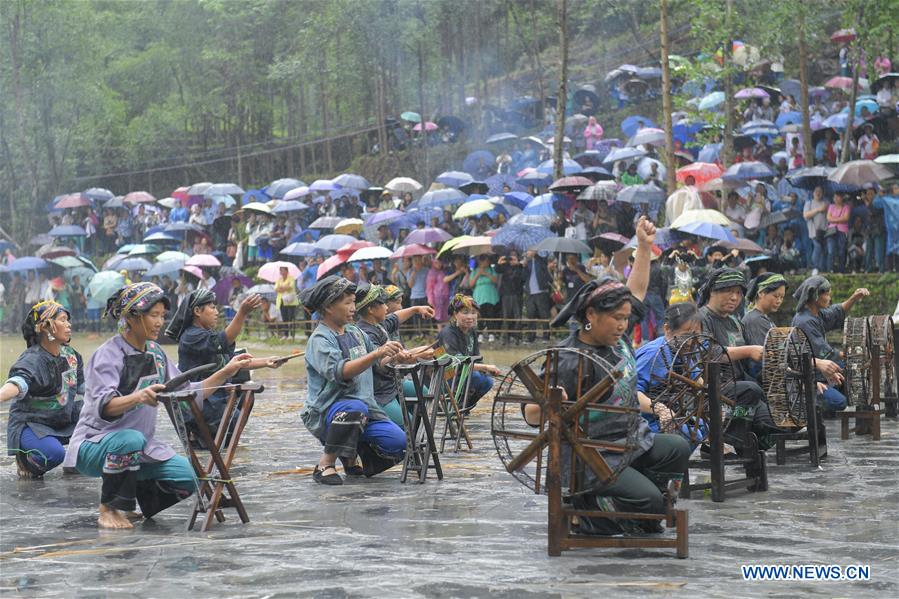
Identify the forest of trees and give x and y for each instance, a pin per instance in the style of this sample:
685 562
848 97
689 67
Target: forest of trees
160 93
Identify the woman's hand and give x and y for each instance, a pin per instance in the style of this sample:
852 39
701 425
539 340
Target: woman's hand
147 395
860 293
646 231
829 368
250 303
491 369
273 362
389 349
425 311
237 362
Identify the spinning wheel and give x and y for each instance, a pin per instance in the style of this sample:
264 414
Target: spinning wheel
857 349
676 386
880 329
783 378
522 444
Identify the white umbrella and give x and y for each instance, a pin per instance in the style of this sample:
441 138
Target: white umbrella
887 159
701 216
648 135
402 185
372 253
258 207
860 172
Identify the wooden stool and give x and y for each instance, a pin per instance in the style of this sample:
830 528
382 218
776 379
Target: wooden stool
452 408
421 448
815 434
214 476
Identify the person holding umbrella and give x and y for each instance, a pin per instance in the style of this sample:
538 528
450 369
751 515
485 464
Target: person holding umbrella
287 300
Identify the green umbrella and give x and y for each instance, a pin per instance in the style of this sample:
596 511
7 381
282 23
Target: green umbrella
104 284
172 255
412 117
144 249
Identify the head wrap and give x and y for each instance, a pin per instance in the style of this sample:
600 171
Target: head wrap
136 298
393 292
764 283
184 316
39 314
325 292
461 302
809 290
605 293
367 294
721 278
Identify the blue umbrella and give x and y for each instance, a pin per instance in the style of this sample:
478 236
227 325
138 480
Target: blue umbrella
520 236
498 137
543 220
744 171
479 164
132 264
709 153
164 268
495 184
596 173
289 206
641 194
541 205
255 195
161 237
324 185
385 217
67 231
300 249
838 121
535 178
350 181
278 188
634 123
519 199
786 118
454 178
623 154
98 194
860 104
174 227
569 167
334 242
441 197
301 236
708 230
27 263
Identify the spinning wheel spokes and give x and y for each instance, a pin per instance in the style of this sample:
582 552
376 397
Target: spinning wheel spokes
856 347
783 379
880 328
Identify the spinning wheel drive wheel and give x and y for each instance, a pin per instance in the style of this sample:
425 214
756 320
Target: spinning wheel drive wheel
856 348
783 378
880 328
678 391
521 415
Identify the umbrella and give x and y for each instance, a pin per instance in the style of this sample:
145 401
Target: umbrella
357 244
197 189
700 171
73 200
123 251
164 268
473 208
623 154
144 249
786 118
296 192
138 197
348 226
350 181
271 272
776 218
641 194
609 242
531 176
168 202
541 205
562 245
258 207
228 201
134 264
426 235
253 195
67 231
116 202
174 227
632 124
840 83
300 248
402 185
521 237
440 198
454 178
193 270
758 124
648 135
518 199
743 171
278 188
743 245
479 163
328 266
473 246
700 216
751 92
573 184
203 260
473 188
41 239
289 206
548 167
412 117
27 263
98 194
172 255
325 222
838 121
860 173
606 191
223 288
264 289
332 243
883 80
495 184
384 218
370 253
324 185
543 220
887 159
644 168
867 104
842 36
707 230
429 126
414 249
500 137
223 189
52 251
104 284
712 101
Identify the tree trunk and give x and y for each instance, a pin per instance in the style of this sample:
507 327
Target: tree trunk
853 93
302 109
425 175
666 97
727 151
563 88
807 148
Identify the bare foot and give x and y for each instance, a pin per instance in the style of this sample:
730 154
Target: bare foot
133 516
112 518
25 473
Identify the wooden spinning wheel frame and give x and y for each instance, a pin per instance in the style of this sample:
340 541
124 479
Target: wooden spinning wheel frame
857 351
783 379
880 328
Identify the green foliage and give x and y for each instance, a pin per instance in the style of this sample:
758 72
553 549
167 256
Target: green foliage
884 288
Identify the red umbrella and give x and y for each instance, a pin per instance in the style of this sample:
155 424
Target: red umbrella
73 200
839 83
702 172
331 263
571 184
352 246
841 36
181 194
138 197
429 126
415 249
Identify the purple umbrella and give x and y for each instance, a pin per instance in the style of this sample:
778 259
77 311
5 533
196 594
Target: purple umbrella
278 188
744 171
454 178
27 263
521 237
334 242
223 288
67 231
441 198
426 236
751 92
495 184
385 217
324 185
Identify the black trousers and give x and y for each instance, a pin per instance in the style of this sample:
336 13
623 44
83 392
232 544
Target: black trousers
538 306
511 306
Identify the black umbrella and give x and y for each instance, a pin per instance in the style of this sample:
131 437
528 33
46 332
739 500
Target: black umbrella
875 87
452 123
474 187
562 245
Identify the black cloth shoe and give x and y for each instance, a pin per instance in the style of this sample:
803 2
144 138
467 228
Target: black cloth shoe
373 462
322 479
351 468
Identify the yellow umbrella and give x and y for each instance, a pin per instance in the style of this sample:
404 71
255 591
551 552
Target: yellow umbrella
474 246
349 226
258 207
701 216
447 246
473 208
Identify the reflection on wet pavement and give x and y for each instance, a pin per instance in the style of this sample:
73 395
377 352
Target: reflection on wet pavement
476 534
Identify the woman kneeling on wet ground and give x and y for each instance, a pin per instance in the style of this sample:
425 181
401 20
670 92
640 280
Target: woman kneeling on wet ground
115 435
43 383
607 310
340 410
381 327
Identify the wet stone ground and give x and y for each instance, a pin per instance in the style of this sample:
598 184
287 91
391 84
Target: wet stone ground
478 533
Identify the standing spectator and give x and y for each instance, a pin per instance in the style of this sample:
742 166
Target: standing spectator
797 160
78 301
511 283
537 300
32 292
837 232
630 177
815 214
761 152
287 300
483 288
875 231
582 219
592 133
437 290
417 281
15 301
868 143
